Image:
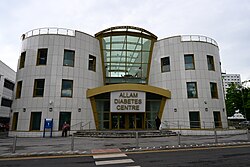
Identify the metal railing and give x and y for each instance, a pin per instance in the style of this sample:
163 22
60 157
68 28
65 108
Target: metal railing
49 30
199 38
80 126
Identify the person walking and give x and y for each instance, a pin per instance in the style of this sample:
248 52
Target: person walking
157 122
65 129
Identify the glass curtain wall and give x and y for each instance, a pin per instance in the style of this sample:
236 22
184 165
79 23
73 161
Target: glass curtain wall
126 52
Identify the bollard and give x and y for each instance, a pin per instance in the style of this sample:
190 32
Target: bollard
14 144
179 138
137 139
215 136
72 142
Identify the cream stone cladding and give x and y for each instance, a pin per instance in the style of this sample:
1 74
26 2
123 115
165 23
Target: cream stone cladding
176 111
51 104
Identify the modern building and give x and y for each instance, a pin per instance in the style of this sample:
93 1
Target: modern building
120 79
7 84
229 79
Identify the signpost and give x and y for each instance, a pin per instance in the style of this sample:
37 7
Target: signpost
48 124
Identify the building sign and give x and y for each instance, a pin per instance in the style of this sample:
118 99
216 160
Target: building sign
127 101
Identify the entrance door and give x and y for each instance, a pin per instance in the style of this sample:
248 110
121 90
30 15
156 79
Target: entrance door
118 121
127 121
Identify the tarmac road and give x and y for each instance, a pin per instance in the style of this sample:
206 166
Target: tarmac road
206 156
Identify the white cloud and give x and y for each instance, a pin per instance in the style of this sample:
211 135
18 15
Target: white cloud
226 21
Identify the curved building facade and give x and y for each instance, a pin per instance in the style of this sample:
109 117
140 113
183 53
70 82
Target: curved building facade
121 79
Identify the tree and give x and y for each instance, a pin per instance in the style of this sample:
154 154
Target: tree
238 98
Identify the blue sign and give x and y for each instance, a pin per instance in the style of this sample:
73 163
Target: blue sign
48 124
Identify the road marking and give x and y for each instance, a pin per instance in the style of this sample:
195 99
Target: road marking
120 161
109 156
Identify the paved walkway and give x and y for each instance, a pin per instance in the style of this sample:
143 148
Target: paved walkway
86 145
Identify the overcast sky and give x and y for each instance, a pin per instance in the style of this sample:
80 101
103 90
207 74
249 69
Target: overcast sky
226 21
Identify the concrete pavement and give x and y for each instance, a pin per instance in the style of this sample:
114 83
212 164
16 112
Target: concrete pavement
85 145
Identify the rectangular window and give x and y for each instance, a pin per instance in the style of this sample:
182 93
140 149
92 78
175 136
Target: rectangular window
38 87
189 62
67 88
22 60
14 121
42 57
69 58
19 89
35 120
214 92
192 90
210 63
64 117
9 85
165 64
217 119
194 118
6 102
92 63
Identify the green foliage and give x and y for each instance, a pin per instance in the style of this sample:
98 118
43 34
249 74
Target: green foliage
238 98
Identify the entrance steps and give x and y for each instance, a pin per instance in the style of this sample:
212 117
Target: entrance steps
124 133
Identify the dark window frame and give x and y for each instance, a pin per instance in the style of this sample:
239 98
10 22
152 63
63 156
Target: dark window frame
6 102
22 60
165 64
210 63
187 63
66 53
8 84
38 91
190 93
63 90
19 89
214 90
42 54
92 63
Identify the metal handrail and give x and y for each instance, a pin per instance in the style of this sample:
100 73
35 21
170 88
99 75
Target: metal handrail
81 125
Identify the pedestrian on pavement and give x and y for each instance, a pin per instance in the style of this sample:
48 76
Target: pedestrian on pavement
65 129
157 122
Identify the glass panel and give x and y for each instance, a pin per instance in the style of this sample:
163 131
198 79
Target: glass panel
165 64
114 119
192 90
118 56
69 57
133 39
67 88
42 57
118 46
210 63
146 44
119 39
131 121
145 57
139 121
189 62
106 43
